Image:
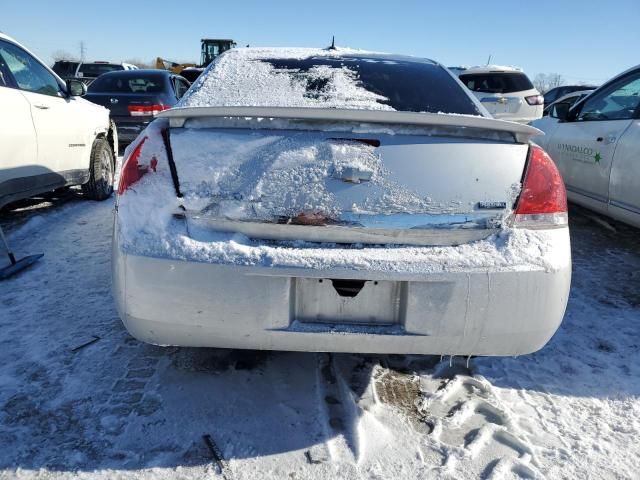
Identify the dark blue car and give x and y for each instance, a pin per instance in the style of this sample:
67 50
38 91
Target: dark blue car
135 97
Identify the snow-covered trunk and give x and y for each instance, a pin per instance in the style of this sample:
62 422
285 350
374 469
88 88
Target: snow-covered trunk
361 187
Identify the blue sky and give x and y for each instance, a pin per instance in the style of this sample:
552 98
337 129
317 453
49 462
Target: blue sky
586 41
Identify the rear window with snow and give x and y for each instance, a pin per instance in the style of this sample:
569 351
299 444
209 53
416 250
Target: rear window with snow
497 82
329 79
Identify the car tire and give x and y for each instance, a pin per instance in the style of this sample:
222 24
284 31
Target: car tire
101 171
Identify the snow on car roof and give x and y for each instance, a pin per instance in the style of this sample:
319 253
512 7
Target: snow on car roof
245 77
492 68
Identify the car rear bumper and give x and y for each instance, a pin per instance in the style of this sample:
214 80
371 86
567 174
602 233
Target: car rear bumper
525 114
129 128
176 302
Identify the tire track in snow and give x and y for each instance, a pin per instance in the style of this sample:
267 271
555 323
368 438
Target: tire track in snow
479 435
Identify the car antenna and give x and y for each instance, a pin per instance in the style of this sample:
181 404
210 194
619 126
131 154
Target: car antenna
333 43
489 59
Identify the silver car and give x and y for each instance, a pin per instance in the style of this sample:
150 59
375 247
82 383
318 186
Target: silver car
596 145
339 200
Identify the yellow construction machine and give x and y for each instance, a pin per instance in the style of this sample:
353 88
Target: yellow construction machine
210 48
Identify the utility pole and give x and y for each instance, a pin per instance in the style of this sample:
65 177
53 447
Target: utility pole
83 50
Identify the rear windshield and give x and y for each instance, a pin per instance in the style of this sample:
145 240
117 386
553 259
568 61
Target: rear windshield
326 80
65 68
402 85
97 69
127 83
497 82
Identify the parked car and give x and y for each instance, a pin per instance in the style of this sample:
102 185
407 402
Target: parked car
324 200
558 92
135 97
51 137
550 118
88 71
506 92
596 145
566 100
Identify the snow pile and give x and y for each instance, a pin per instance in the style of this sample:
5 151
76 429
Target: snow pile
241 77
508 250
148 204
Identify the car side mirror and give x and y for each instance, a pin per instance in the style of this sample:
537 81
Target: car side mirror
560 110
76 88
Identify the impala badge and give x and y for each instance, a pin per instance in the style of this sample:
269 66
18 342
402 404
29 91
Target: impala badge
113 100
492 205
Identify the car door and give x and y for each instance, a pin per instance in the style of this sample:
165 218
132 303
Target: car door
57 124
18 143
180 86
583 146
624 189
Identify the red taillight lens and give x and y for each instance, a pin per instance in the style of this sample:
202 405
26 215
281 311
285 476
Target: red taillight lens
543 199
131 170
146 110
535 100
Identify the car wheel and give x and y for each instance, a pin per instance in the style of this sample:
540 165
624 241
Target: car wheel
101 170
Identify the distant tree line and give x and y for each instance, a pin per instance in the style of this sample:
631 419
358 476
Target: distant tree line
546 81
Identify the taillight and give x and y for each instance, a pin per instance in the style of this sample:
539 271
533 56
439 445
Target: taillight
543 198
146 110
132 170
535 100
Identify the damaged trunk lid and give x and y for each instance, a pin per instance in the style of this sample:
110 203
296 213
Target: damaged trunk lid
376 187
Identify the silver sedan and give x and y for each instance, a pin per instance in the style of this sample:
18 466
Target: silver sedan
339 200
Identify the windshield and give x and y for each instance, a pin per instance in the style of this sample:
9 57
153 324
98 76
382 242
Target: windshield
97 69
330 80
65 68
126 83
497 82
402 85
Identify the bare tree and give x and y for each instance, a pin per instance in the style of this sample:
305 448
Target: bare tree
546 81
63 55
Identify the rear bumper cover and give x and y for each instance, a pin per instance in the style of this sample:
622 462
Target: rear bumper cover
129 128
175 302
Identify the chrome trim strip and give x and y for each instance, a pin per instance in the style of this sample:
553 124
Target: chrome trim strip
346 234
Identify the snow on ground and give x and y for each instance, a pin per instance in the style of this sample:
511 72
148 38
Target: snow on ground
117 408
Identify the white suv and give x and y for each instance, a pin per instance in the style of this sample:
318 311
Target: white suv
506 92
51 138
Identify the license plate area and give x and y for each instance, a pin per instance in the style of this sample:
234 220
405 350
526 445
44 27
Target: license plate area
350 302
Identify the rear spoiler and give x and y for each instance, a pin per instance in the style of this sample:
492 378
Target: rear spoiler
522 133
